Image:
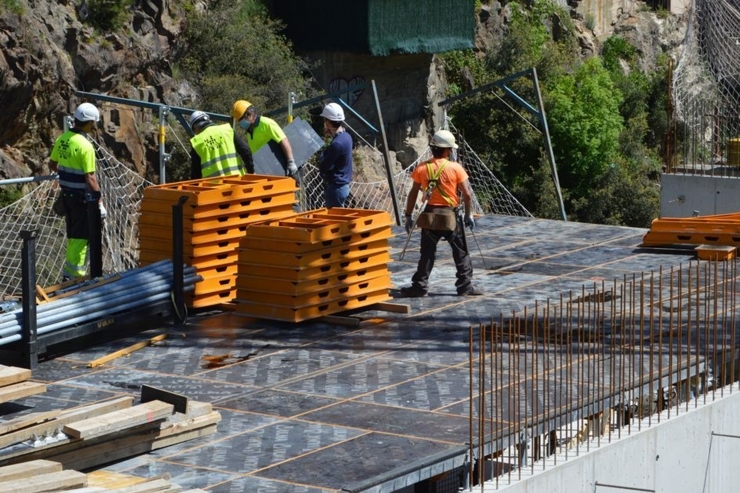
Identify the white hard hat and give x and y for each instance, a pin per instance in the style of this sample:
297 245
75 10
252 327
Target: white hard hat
198 118
333 112
444 139
87 112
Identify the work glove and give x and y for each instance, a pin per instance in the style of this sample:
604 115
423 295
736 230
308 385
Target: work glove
103 212
408 225
469 221
292 168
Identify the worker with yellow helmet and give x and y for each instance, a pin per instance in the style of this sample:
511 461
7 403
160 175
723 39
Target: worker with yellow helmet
261 130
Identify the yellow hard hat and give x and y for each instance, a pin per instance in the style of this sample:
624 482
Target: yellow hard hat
239 108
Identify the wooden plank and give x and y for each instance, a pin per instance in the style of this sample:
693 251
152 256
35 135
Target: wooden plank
112 480
390 307
28 470
21 390
352 322
41 295
56 481
89 489
11 374
119 420
126 351
71 415
80 455
27 420
146 487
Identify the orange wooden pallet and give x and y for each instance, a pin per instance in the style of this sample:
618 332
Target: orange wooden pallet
721 229
306 274
288 314
223 189
223 218
300 247
315 258
320 225
298 288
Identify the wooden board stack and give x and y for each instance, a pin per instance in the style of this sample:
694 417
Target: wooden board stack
89 435
41 476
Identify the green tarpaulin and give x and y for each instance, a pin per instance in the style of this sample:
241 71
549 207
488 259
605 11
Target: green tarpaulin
378 27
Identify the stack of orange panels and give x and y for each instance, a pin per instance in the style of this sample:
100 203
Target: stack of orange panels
719 229
314 264
215 218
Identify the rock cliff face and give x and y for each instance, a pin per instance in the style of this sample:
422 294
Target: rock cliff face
49 53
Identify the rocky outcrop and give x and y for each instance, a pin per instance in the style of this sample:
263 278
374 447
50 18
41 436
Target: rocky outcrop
49 53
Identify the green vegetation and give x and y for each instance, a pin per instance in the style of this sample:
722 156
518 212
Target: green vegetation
607 119
11 6
9 194
234 50
107 15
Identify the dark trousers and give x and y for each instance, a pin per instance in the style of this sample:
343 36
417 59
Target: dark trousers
428 250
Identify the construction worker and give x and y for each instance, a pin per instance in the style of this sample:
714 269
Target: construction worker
215 149
73 157
261 130
442 180
335 164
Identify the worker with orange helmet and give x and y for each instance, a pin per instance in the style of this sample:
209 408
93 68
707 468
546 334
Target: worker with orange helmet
73 157
215 149
261 130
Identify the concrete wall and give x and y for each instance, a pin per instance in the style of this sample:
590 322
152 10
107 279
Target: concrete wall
681 195
683 454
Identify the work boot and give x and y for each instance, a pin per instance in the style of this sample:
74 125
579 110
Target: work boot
470 291
412 292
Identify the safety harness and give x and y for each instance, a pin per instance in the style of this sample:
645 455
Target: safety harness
434 179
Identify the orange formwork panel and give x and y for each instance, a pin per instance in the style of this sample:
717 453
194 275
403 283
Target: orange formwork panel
306 274
716 252
321 224
215 284
221 259
210 299
332 293
288 314
297 288
224 219
315 258
257 209
165 246
659 238
207 191
299 247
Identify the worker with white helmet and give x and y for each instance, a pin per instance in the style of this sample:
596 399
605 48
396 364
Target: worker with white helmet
335 163
442 181
261 130
73 157
215 149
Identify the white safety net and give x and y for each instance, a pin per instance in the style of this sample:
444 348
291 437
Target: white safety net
121 192
706 92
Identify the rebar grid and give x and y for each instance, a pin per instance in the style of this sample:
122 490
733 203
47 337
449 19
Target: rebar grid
596 364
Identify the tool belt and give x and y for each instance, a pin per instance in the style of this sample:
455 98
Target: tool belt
437 219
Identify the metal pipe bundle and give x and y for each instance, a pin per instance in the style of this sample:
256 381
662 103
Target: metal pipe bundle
135 288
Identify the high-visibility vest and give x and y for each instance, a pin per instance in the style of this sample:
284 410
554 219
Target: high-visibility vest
75 157
215 146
